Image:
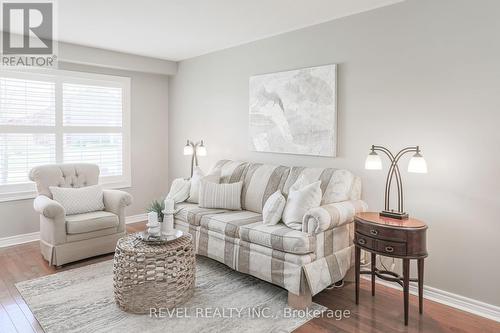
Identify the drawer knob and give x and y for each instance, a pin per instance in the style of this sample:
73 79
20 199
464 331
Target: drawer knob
362 241
374 232
389 249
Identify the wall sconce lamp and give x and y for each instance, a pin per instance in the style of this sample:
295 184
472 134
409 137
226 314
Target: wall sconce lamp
195 150
417 165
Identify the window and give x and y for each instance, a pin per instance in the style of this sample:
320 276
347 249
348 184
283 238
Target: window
62 117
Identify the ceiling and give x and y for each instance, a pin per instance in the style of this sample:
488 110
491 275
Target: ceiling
181 29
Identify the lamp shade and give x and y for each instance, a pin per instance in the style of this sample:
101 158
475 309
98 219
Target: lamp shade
373 161
201 151
188 149
417 164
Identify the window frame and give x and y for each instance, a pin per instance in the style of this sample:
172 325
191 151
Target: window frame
10 192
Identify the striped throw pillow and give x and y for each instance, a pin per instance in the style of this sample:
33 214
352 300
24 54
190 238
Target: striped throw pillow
222 196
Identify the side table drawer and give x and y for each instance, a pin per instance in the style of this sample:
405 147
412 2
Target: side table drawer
381 232
364 241
391 248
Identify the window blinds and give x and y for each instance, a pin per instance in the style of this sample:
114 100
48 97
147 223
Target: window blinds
67 118
19 152
86 105
27 102
103 149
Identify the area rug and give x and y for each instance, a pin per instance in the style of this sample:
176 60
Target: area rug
81 300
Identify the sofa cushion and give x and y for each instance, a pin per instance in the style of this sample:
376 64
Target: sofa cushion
229 223
278 237
260 182
191 213
274 255
88 222
336 184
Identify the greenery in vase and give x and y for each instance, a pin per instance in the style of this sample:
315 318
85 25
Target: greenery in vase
158 207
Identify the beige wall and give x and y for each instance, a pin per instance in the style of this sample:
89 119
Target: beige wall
149 150
421 72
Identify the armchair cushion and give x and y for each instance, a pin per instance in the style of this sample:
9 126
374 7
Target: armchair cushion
332 215
79 200
88 222
48 207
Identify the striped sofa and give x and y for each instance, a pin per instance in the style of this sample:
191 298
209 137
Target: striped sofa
303 262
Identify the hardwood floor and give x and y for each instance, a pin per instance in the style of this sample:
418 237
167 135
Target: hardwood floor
382 313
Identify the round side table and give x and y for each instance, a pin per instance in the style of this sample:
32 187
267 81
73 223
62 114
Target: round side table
150 276
405 239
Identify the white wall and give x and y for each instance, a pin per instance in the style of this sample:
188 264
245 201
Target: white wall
149 150
423 72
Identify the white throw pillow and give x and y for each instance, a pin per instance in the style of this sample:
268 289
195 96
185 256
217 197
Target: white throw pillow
339 187
300 183
198 175
179 191
299 201
79 200
273 208
222 196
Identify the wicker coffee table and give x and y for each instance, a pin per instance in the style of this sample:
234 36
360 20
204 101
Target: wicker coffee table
153 276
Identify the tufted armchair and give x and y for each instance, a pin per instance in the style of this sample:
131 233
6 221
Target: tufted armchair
66 238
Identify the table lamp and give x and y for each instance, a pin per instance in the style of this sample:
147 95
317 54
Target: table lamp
417 165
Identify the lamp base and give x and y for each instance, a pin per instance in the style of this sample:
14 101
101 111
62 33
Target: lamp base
394 215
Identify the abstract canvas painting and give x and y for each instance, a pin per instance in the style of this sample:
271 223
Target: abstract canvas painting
294 112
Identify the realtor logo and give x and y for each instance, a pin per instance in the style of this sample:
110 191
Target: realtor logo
28 34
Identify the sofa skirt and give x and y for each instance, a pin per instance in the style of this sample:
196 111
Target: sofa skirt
289 271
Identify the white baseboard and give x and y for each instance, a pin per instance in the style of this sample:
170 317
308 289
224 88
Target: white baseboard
479 308
34 236
19 239
136 218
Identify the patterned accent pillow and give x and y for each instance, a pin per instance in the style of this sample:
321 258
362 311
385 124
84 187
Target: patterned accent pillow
222 196
79 200
273 208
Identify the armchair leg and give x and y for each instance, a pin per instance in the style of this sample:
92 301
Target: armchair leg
301 301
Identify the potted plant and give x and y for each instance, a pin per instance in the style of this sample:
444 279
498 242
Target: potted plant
158 207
